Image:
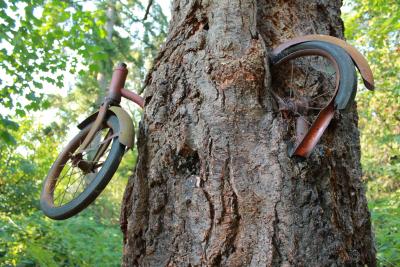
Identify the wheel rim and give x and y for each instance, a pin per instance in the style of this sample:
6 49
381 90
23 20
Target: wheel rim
307 84
310 107
71 178
94 188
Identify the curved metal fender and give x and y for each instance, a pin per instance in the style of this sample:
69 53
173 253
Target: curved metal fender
126 131
357 57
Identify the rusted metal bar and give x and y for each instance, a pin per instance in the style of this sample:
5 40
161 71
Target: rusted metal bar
313 135
95 127
358 58
118 82
344 91
133 97
114 97
103 146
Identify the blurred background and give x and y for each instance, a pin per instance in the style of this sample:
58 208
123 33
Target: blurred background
55 61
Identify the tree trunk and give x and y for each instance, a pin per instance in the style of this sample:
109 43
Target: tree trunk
214 185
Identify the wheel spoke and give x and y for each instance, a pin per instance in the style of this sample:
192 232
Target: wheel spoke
78 171
69 185
301 115
330 82
315 108
89 150
291 80
65 191
79 185
320 95
308 72
309 107
66 172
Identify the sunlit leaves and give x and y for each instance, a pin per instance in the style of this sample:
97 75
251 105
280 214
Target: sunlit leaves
36 241
385 214
41 44
7 126
40 40
373 26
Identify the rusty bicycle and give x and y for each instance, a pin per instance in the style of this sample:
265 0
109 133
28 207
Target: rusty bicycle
90 159
317 77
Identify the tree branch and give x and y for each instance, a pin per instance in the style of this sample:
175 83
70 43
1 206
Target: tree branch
147 10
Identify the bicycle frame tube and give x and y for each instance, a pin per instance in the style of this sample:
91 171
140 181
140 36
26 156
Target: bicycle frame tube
117 87
117 83
113 98
132 97
96 126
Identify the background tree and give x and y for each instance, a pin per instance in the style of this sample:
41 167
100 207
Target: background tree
214 184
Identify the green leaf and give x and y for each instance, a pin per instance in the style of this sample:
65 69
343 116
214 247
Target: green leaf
38 85
20 112
7 138
10 125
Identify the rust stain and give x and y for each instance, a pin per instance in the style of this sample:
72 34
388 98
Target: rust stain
248 68
242 74
344 255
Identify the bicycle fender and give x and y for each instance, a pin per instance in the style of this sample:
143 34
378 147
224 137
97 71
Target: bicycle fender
358 59
126 132
87 121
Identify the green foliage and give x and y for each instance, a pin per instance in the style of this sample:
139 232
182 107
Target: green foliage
43 43
28 158
373 27
37 241
36 36
42 40
385 213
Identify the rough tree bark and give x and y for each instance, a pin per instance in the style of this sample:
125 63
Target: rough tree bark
214 185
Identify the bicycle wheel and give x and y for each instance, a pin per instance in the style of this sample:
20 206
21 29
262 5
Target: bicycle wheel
313 80
74 181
